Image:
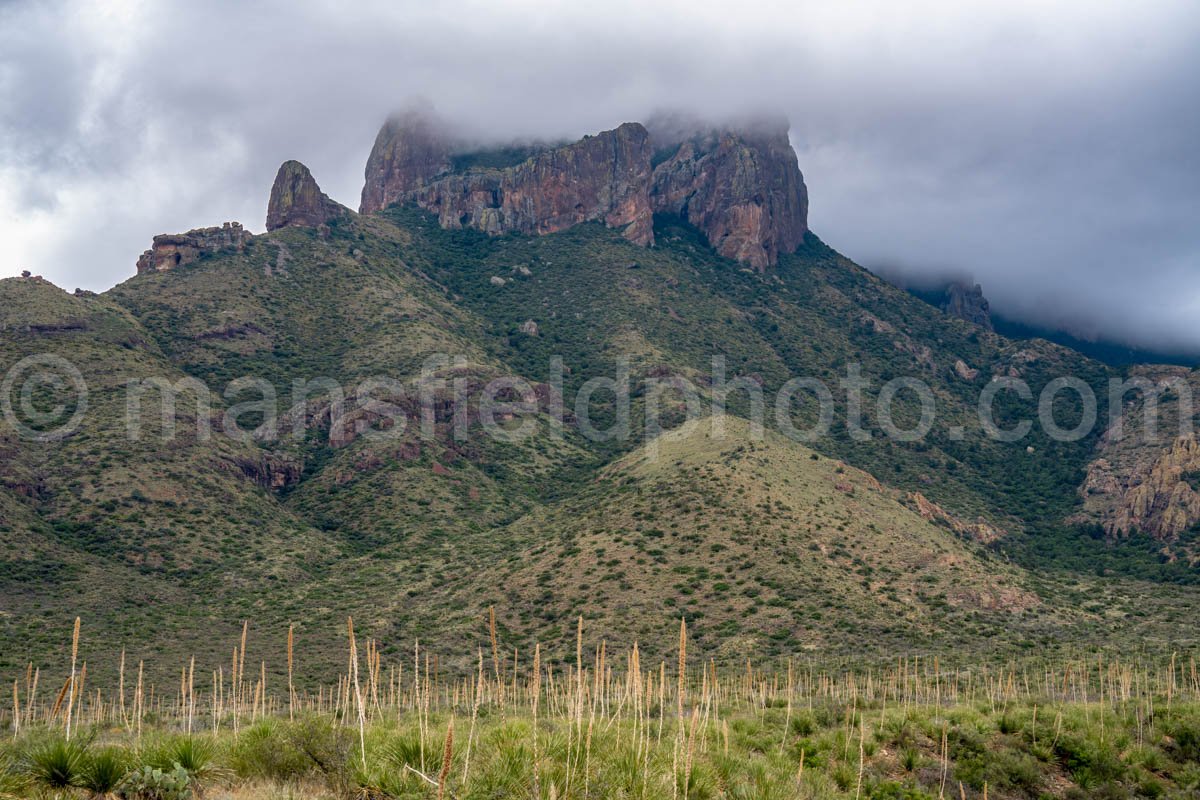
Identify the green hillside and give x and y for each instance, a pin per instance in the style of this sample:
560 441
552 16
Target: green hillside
421 529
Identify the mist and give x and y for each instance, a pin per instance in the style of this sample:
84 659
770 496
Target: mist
1047 150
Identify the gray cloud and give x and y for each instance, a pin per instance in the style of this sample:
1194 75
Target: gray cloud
1051 151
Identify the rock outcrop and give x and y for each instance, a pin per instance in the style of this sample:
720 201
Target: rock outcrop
171 250
1148 480
1160 498
411 149
602 178
297 200
980 530
740 186
968 303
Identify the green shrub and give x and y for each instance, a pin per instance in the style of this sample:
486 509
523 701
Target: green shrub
56 763
264 751
104 771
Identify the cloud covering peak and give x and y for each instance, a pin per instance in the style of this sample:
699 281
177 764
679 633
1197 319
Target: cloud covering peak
1048 149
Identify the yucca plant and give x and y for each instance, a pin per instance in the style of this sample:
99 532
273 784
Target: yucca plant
104 770
57 763
12 782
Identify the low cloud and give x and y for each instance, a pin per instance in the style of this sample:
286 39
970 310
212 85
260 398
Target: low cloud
1048 150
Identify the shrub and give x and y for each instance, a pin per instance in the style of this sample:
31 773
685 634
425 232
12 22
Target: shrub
263 751
56 763
104 771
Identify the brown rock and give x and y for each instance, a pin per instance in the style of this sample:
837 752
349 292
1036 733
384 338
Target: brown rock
1161 501
965 372
741 187
411 149
171 250
602 178
297 200
980 530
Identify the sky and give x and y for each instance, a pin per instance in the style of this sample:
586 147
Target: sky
1048 150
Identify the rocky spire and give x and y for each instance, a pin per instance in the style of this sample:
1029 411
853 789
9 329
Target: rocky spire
297 200
967 302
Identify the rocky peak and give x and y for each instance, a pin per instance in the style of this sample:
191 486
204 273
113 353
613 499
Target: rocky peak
412 148
741 186
171 250
967 302
297 200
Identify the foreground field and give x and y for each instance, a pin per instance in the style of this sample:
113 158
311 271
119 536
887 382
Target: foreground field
600 725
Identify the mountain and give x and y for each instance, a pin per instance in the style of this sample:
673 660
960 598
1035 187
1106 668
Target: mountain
331 454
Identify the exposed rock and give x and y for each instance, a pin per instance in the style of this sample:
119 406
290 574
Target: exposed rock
272 471
530 328
1160 499
602 178
1147 480
496 280
968 303
297 200
965 372
411 149
171 250
980 530
742 188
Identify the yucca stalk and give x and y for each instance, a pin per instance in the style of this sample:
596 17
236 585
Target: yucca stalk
71 682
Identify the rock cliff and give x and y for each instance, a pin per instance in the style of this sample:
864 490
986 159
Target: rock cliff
740 186
1148 480
604 178
968 303
411 149
297 200
171 250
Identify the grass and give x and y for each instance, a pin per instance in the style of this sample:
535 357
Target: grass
601 724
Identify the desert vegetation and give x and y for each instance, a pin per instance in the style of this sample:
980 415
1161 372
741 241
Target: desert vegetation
596 720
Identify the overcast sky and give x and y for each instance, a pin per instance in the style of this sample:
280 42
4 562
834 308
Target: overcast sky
1049 149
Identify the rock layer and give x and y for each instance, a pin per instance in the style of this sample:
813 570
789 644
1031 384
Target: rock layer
297 200
171 250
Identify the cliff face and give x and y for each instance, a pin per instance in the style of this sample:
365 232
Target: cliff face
1148 480
297 200
968 303
603 178
411 149
742 187
171 250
